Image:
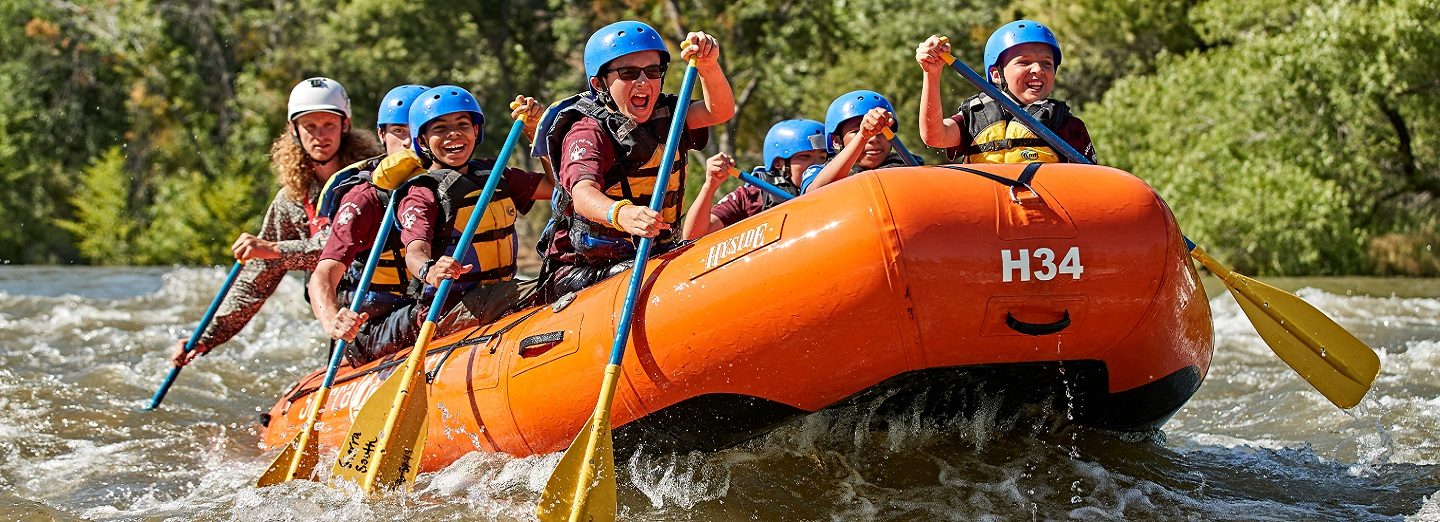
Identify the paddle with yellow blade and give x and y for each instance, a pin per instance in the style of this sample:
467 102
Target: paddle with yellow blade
582 487
385 442
195 336
1326 355
301 454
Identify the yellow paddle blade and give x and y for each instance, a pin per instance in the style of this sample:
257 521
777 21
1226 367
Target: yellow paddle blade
279 470
403 449
1326 355
290 464
359 450
592 466
385 425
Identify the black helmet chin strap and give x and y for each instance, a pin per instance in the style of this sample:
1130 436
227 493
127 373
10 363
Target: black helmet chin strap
1005 89
608 101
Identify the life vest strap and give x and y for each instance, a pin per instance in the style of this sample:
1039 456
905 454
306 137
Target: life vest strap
1023 181
486 276
493 234
1007 143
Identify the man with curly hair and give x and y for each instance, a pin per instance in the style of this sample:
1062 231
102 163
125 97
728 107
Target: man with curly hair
319 143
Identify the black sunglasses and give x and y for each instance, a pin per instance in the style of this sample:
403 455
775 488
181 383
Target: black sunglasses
630 73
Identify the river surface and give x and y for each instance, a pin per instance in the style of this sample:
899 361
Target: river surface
82 350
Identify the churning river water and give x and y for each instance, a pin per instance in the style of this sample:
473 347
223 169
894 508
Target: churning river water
82 350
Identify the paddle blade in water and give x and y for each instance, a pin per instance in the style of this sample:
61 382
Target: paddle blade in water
360 447
402 462
279 471
1320 350
1327 356
563 498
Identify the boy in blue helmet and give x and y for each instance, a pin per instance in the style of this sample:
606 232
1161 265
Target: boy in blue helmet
606 145
446 124
791 146
854 126
1022 59
356 205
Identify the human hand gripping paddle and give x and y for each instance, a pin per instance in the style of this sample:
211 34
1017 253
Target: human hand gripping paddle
195 336
385 442
582 487
1326 355
301 454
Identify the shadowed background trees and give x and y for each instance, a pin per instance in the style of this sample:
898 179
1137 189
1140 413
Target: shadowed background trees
1289 137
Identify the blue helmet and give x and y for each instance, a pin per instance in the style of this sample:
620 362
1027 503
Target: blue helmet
1016 33
395 107
439 101
853 104
791 137
619 39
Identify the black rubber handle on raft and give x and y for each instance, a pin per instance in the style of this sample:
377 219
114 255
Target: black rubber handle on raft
544 339
1037 328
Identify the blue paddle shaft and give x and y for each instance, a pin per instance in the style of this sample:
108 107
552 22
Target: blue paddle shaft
1035 126
765 186
359 300
662 181
195 336
905 154
1074 156
491 182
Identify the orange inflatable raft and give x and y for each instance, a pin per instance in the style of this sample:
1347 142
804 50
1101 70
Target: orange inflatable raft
1060 280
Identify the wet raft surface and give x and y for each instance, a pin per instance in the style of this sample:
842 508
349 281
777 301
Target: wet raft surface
82 349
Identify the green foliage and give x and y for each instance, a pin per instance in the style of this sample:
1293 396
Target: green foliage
878 43
195 219
1291 147
1288 136
61 95
1104 40
102 211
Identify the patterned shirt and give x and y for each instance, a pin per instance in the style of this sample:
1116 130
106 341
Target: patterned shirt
287 224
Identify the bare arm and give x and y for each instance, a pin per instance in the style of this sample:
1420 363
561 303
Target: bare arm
532 111
417 253
935 129
323 301
635 218
700 212
699 221
839 167
546 188
718 103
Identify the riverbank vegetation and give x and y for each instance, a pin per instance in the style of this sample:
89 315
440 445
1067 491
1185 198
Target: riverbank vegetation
1289 137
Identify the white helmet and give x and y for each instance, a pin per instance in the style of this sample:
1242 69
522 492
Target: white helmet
318 94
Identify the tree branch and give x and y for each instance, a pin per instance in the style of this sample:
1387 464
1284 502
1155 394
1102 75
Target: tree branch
1409 169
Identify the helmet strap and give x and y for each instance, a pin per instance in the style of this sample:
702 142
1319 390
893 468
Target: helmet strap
607 100
1005 89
